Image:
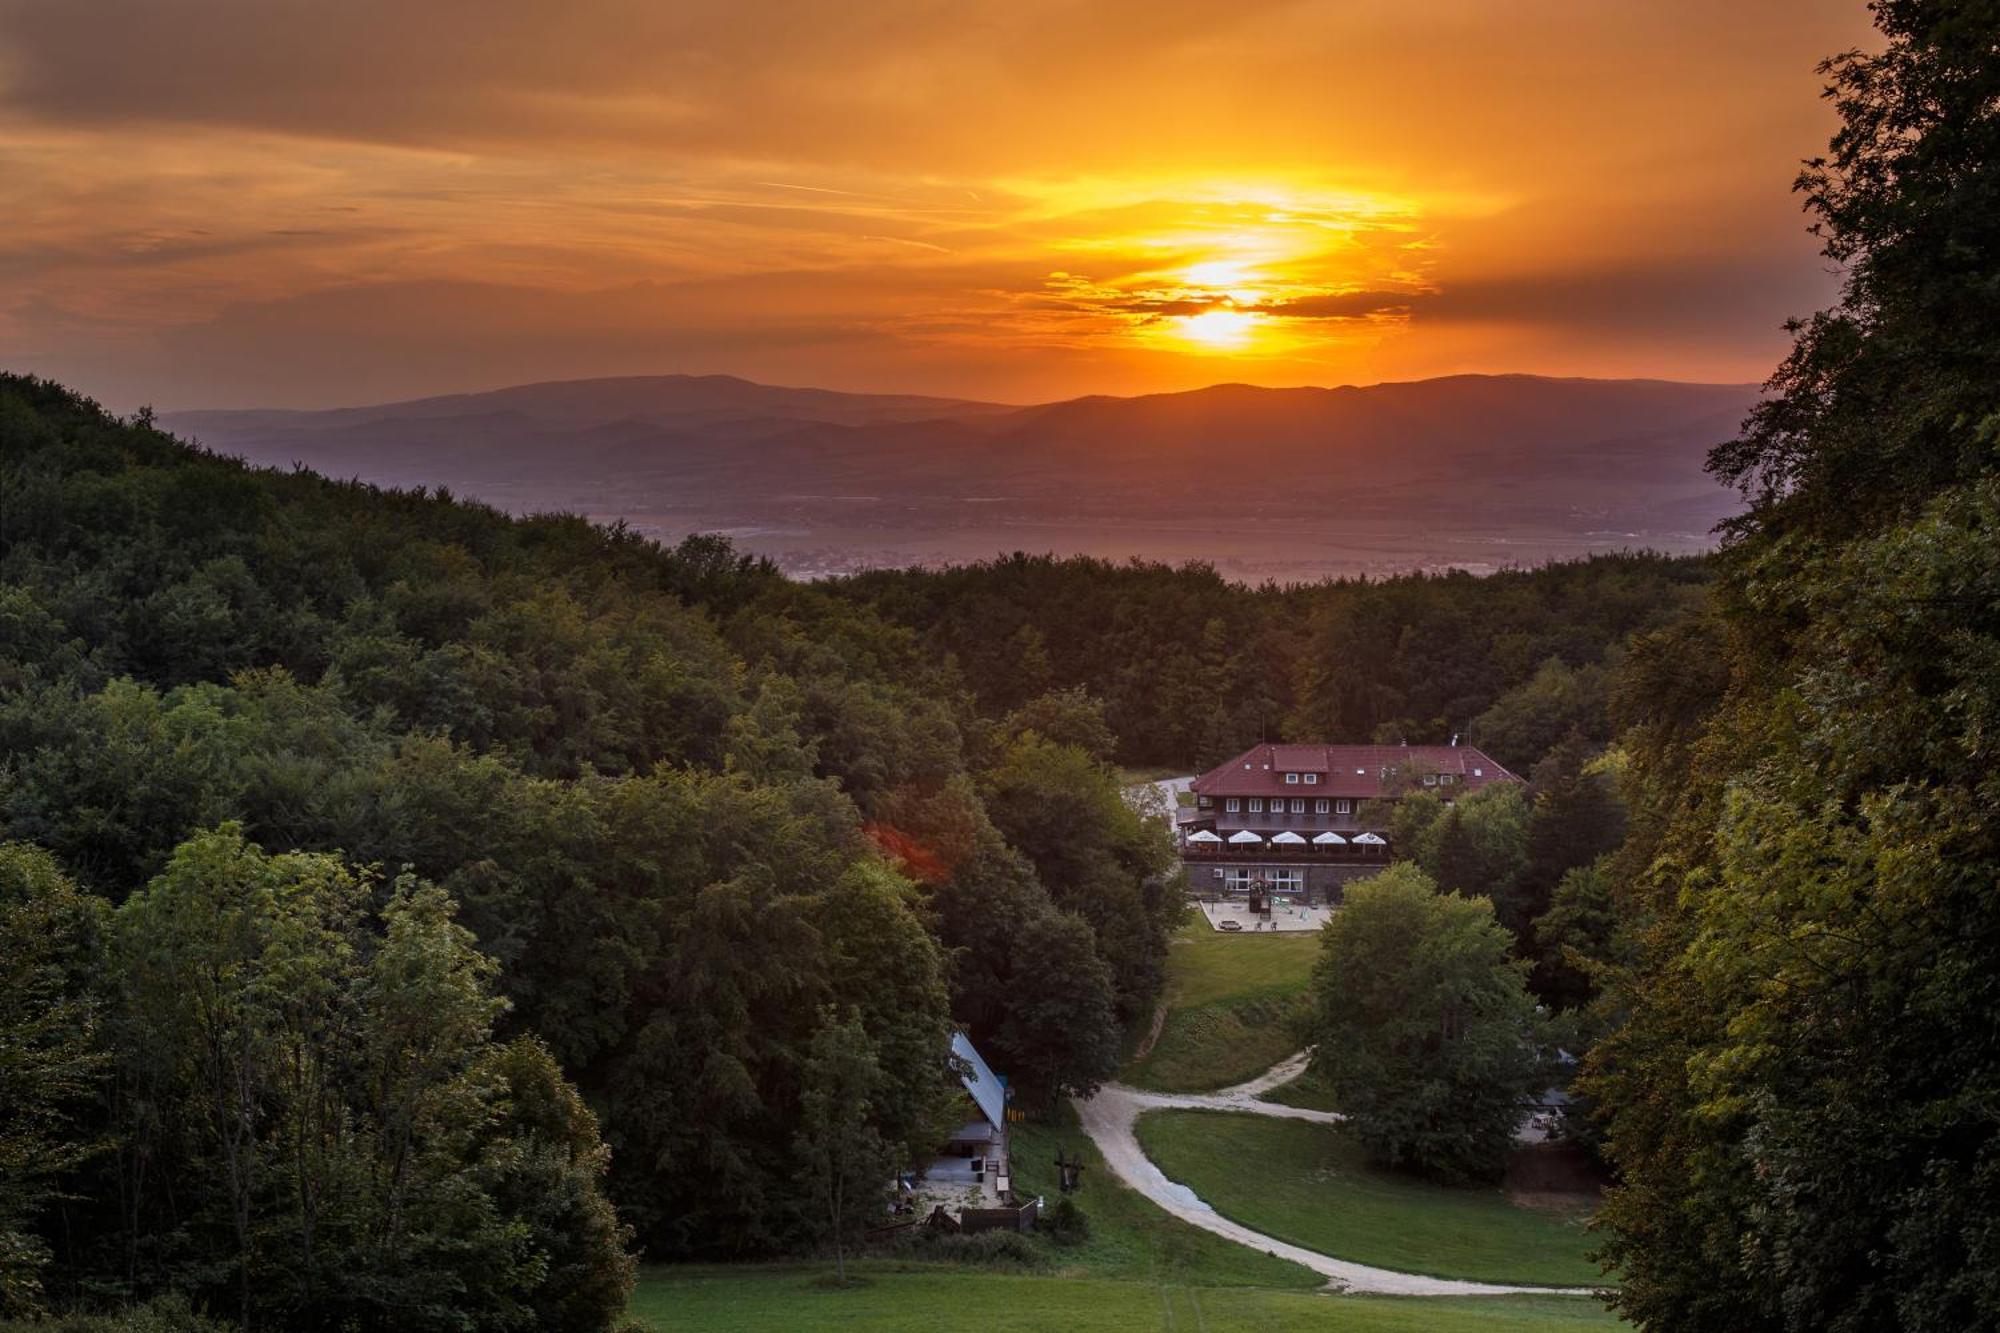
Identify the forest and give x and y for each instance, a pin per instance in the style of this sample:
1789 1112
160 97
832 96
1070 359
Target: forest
409 914
1192 668
654 819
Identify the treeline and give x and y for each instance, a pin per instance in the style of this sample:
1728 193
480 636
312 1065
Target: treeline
1192 668
695 815
1802 1084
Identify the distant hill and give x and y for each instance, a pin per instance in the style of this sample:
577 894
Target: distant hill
1469 470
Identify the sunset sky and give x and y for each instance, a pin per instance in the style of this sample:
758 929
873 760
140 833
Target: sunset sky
272 202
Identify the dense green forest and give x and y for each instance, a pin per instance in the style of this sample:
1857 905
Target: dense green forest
680 816
690 813
1803 1085
1191 668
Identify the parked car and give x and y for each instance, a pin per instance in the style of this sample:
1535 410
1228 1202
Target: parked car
1229 925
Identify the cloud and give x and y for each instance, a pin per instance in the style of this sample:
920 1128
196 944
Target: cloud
215 201
1678 295
1351 305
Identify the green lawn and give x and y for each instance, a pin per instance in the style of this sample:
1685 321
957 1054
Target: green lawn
1306 1090
917 1298
1129 1236
1307 1183
1234 1005
1140 1269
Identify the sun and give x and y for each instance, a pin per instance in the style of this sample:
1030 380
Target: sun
1219 330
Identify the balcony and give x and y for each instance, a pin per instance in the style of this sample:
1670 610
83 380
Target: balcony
1269 853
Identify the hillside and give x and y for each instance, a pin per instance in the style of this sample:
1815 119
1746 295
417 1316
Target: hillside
1468 471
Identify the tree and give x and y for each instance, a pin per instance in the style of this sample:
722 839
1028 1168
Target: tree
1060 1033
319 1114
1427 1035
52 1060
1067 717
1032 672
1577 937
547 1167
234 966
888 973
1799 1102
1476 844
1576 817
839 1147
1096 856
1527 721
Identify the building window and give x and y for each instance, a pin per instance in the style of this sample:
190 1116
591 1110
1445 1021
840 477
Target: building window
1256 805
1321 806
1444 779
1264 879
1311 778
1430 779
1207 802
1292 778
1234 805
1298 805
1344 807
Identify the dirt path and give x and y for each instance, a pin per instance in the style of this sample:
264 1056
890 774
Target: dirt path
1110 1116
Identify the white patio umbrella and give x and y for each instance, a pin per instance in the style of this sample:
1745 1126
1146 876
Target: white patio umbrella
1244 837
1330 840
1204 835
1371 840
1289 837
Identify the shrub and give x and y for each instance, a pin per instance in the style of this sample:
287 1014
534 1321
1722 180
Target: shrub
1064 1222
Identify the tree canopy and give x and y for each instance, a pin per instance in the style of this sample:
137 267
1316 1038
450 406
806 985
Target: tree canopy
1427 1036
1800 1095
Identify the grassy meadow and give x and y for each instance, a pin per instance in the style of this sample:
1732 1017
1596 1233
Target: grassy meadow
1138 1269
1236 1005
929 1298
1307 1183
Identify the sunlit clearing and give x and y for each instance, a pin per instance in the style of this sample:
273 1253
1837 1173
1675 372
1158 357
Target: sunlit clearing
1222 330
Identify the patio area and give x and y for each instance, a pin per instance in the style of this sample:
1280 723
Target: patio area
1284 916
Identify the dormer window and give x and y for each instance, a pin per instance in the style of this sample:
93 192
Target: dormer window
1292 778
1478 772
1430 779
1311 778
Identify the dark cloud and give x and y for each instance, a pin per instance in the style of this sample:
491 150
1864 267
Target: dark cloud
1646 295
1349 305
770 77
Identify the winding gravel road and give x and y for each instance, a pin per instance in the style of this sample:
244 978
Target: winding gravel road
1109 1118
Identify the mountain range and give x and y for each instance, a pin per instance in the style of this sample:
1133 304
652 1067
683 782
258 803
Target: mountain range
1468 471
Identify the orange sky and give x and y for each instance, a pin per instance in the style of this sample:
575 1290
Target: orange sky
289 202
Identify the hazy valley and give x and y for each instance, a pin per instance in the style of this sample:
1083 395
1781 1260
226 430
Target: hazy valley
1471 472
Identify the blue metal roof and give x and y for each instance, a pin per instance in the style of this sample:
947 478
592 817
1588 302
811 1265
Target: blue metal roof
981 1082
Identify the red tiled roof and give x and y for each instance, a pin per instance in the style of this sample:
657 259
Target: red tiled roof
1347 770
